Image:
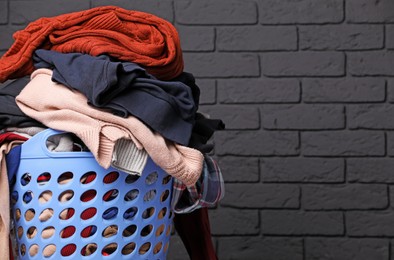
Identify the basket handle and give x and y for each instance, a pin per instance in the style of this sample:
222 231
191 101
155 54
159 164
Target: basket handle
36 147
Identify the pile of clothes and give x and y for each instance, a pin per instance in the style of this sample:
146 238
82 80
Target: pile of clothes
113 78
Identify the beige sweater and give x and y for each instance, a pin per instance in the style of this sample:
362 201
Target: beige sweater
58 107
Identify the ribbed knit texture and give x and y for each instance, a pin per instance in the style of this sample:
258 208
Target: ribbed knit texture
58 107
134 36
128 158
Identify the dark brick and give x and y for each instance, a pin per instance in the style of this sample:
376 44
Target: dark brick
341 37
207 91
303 64
177 250
292 222
390 90
235 116
258 195
226 221
370 116
258 91
390 143
301 11
302 170
257 248
369 11
343 90
343 143
257 38
371 63
222 64
371 170
196 38
239 169
162 9
3 13
23 12
216 12
390 36
345 196
346 249
257 143
370 223
6 32
302 117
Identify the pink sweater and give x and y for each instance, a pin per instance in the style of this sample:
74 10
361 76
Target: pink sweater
58 107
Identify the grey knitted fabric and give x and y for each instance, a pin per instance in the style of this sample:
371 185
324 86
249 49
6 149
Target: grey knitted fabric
128 158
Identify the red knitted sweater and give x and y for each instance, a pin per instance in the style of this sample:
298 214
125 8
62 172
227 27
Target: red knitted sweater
133 36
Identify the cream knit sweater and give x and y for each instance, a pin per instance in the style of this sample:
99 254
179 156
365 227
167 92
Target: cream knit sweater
58 107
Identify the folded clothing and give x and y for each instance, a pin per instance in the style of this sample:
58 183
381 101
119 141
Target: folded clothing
135 36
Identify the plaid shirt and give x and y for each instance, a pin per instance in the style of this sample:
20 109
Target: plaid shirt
207 192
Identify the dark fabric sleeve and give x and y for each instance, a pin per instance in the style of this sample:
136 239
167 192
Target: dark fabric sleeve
195 232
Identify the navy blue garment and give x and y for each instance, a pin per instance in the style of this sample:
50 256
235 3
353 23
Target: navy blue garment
10 114
168 107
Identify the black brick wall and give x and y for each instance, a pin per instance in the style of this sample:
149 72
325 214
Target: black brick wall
306 90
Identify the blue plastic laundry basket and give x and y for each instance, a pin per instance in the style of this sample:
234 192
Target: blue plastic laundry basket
66 206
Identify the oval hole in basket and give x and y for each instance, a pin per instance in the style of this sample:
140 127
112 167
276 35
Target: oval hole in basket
130 213
128 249
151 178
28 196
48 232
129 231
164 195
109 249
18 214
111 177
20 231
45 215
88 177
66 213
146 230
65 196
110 195
110 231
88 213
43 178
89 249
33 250
45 197
166 247
149 195
68 250
65 178
131 178
25 179
148 213
88 231
31 232
162 213
160 230
131 195
157 248
168 232
23 249
49 250
144 248
29 214
88 195
166 179
67 232
14 197
110 213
